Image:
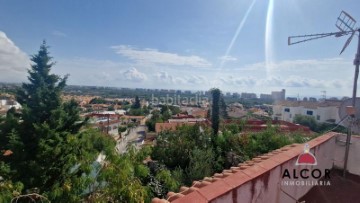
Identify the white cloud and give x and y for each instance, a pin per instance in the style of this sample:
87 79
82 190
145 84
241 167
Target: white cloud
198 80
227 58
240 81
164 77
58 33
134 75
292 81
153 56
13 61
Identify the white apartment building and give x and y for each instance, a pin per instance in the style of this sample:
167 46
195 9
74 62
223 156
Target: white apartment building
326 111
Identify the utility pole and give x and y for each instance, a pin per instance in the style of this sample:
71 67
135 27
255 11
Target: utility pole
348 136
345 23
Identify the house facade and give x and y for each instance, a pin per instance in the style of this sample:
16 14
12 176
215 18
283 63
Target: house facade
326 111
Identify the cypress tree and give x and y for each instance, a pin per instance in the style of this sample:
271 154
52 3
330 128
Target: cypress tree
215 109
137 104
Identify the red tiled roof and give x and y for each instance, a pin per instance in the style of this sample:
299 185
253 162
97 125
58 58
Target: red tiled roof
7 152
200 113
170 126
133 117
181 116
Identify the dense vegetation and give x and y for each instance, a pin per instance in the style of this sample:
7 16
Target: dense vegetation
318 127
191 153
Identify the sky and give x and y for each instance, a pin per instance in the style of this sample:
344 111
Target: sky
235 45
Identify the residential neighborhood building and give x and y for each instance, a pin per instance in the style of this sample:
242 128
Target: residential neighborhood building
109 121
196 112
326 111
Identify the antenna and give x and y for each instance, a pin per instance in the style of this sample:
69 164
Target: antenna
323 95
345 23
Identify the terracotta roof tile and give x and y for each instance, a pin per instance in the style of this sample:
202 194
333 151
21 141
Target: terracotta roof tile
173 196
187 190
254 171
194 197
268 164
215 189
293 151
280 158
157 200
237 179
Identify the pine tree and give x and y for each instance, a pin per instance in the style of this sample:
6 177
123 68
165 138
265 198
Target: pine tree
42 95
46 123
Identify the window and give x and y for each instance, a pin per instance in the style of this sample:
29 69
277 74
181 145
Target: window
318 117
310 113
287 110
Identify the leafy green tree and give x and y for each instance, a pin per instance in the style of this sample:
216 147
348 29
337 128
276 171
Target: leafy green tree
200 164
121 129
136 112
98 100
308 121
156 118
174 110
7 127
318 127
121 175
188 148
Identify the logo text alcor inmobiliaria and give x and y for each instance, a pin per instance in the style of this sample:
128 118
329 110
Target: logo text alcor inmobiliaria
299 177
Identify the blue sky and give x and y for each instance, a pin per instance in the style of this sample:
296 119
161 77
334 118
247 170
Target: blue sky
236 45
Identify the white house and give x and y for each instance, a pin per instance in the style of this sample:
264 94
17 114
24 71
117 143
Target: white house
326 111
8 104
